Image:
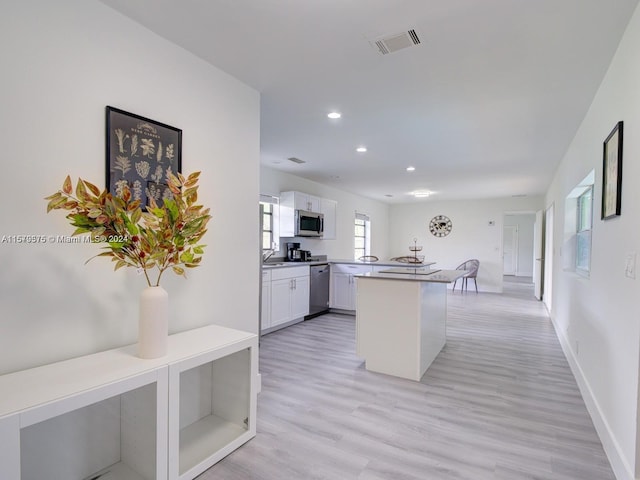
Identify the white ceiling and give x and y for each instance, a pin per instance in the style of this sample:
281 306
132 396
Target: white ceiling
485 106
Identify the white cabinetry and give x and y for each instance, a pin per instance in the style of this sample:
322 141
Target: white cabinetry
113 412
281 301
343 285
292 201
300 201
289 295
300 297
329 209
265 310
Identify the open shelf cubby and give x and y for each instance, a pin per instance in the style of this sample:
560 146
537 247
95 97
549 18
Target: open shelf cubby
114 438
214 409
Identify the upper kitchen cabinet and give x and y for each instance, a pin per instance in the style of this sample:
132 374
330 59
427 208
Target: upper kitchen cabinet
300 201
329 208
290 202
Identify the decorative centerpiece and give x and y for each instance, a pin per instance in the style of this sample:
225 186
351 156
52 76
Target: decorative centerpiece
152 239
415 248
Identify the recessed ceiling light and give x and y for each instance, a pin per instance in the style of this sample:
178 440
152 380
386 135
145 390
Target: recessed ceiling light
361 149
334 115
411 169
421 194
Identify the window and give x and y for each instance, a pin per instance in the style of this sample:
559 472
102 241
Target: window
578 222
362 235
267 226
583 230
269 222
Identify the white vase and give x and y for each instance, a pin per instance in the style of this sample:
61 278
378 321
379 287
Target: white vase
153 323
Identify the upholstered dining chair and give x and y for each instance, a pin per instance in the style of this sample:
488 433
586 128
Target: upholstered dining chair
471 266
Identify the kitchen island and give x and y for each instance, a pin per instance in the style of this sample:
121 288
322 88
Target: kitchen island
401 317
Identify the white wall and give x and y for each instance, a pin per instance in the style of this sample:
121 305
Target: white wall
63 62
597 318
471 236
272 182
525 223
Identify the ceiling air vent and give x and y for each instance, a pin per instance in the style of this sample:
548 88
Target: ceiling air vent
295 160
393 43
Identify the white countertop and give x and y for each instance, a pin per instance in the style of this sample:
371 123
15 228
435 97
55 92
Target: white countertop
414 275
348 262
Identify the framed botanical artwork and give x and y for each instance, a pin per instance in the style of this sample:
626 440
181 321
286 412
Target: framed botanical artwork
140 152
612 173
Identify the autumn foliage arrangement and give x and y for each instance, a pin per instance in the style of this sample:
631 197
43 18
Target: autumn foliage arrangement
144 237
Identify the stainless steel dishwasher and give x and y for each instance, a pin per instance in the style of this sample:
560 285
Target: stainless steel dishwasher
318 290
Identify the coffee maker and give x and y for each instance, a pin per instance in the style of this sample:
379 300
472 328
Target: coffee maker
294 252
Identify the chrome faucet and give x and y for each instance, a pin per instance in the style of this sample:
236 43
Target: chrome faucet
266 254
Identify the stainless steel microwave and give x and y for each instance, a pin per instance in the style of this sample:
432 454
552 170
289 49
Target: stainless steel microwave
309 224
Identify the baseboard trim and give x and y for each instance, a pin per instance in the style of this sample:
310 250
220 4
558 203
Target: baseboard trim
619 464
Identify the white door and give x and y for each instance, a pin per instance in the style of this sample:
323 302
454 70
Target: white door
510 250
548 257
538 255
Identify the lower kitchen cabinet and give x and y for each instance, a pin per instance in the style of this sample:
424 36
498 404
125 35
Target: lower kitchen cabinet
110 414
289 295
300 297
342 291
265 306
343 285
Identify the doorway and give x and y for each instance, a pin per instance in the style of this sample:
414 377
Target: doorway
518 245
548 258
510 250
538 255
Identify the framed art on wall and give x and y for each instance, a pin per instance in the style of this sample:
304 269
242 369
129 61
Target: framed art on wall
140 152
612 173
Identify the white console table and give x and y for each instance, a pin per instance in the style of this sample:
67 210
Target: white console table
120 417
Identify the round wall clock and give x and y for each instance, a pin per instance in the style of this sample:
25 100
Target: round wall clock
440 226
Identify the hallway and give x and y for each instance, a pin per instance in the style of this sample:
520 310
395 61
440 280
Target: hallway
499 402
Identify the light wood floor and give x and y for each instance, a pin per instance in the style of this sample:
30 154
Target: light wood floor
499 402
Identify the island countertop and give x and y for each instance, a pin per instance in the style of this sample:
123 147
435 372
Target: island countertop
415 275
282 263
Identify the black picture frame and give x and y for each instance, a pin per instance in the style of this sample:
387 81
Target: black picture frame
612 173
139 151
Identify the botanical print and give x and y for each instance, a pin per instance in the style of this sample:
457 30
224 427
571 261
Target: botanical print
123 164
612 173
157 176
142 168
137 190
140 153
611 193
